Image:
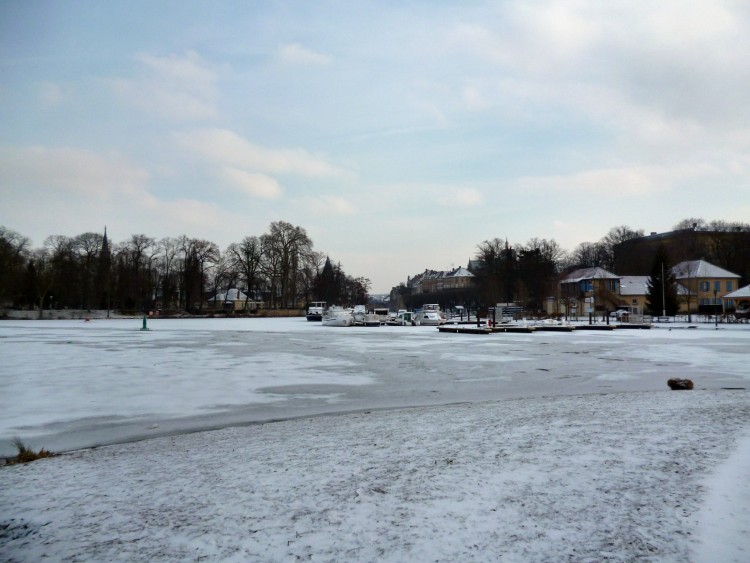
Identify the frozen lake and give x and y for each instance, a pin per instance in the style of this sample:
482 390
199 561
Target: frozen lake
70 384
520 447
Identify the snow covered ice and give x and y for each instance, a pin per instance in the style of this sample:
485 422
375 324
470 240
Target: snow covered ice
435 446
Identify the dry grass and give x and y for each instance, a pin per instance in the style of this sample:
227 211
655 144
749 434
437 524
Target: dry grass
26 455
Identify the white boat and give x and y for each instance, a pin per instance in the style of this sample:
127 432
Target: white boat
360 313
337 316
315 311
402 318
430 315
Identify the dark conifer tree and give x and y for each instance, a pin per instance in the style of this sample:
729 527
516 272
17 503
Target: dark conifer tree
662 286
104 275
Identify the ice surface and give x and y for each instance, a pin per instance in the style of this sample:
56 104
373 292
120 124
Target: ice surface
571 447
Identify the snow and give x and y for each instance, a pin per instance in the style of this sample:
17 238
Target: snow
400 443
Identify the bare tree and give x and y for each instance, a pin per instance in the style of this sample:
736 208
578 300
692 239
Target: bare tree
42 274
615 237
246 258
284 248
589 255
14 252
87 247
206 254
169 250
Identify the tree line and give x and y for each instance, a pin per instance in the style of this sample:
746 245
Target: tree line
528 273
279 268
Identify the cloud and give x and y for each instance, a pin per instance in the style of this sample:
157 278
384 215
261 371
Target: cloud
256 185
51 94
619 183
76 172
329 204
464 197
226 148
63 190
176 87
294 53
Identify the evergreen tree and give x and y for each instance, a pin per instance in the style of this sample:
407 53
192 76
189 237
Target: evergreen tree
103 280
662 286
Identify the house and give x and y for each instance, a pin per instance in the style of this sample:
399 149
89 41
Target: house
459 278
707 285
741 299
634 292
588 291
233 300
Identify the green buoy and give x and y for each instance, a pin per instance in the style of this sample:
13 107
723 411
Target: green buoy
144 327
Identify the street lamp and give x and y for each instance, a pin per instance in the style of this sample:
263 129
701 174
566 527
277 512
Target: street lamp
716 311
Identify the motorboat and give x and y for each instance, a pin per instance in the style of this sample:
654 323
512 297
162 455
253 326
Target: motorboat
337 316
429 315
402 318
315 310
365 317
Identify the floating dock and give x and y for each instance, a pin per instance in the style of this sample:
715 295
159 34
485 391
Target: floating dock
527 329
463 329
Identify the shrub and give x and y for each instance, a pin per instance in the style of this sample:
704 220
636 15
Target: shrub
25 455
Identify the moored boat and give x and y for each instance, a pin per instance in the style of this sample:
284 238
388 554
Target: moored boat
315 311
430 315
337 316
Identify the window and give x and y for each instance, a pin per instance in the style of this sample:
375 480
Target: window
704 286
717 286
729 286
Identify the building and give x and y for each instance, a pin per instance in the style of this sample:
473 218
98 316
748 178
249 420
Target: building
707 285
589 291
729 249
634 293
233 300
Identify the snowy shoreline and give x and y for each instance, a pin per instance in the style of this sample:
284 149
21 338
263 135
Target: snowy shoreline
618 476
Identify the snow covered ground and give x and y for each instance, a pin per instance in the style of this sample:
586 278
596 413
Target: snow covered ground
446 447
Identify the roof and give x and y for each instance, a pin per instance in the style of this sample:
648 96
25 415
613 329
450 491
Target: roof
743 292
700 269
590 274
634 285
230 295
638 285
461 272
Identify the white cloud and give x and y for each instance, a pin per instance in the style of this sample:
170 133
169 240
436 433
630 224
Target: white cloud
176 87
76 172
619 183
329 204
464 197
69 191
294 53
222 146
51 94
256 185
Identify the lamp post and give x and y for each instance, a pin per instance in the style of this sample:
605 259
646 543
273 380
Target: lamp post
663 300
716 311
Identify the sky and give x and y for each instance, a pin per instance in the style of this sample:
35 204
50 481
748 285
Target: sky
399 135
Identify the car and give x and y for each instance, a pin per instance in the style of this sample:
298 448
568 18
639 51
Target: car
742 311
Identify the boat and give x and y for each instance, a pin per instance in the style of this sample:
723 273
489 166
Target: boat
359 312
365 317
337 316
429 315
402 318
381 313
315 311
